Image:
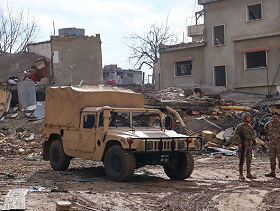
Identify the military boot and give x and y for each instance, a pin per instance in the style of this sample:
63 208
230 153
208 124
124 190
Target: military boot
250 176
271 174
241 174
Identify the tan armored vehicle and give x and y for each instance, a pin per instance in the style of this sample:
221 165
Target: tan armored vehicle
110 124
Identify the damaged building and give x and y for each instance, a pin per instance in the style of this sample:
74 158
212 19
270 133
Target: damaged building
239 53
112 74
18 74
75 58
68 59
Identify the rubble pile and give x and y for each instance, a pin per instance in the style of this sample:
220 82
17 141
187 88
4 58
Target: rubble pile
19 136
220 114
187 96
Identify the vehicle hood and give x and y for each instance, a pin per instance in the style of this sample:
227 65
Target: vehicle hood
143 133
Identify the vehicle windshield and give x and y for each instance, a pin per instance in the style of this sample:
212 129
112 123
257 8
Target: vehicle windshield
146 119
119 119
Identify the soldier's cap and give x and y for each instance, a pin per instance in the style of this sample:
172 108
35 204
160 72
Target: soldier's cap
275 113
245 115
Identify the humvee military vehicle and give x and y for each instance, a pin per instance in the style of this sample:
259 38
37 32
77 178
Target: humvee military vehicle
110 124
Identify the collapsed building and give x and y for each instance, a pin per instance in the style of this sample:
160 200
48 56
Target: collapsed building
112 74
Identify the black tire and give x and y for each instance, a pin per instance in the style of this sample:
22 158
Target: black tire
183 169
119 164
58 159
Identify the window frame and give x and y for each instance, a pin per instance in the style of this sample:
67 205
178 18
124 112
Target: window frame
255 68
247 12
213 36
175 68
84 121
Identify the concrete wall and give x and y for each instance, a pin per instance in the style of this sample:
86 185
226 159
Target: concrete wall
43 49
77 58
232 14
257 79
168 59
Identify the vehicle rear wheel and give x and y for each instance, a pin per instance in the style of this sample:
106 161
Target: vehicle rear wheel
119 164
183 169
58 159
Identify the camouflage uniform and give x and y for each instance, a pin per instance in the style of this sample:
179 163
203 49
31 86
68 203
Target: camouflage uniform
273 131
248 132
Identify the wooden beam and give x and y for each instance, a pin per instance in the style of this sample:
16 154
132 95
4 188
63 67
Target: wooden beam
15 199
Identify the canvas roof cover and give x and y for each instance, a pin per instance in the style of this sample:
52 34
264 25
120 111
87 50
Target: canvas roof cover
64 104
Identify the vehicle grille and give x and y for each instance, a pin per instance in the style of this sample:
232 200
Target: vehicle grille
164 145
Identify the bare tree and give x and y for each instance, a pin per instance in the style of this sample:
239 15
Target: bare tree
16 30
145 48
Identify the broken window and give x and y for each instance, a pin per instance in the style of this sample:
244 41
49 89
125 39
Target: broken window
89 121
254 12
220 75
183 68
255 59
130 75
219 35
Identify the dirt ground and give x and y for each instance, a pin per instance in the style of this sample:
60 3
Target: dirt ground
214 185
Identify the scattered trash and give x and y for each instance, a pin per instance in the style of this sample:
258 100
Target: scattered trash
39 189
83 179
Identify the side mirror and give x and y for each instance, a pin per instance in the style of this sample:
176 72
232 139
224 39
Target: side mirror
168 122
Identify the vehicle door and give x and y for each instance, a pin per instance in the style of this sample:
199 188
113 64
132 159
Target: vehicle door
87 141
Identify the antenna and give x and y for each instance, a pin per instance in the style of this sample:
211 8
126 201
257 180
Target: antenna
53 29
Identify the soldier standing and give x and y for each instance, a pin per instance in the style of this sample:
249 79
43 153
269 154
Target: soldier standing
273 130
246 138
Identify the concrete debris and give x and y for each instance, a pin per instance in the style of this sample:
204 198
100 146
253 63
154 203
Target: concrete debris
63 205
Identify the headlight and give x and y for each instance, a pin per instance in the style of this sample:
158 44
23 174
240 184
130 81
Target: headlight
149 145
181 145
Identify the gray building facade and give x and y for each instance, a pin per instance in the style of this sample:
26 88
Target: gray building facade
241 47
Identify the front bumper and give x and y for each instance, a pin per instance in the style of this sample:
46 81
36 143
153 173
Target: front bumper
165 144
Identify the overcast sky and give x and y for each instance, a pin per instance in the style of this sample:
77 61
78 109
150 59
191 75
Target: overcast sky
112 19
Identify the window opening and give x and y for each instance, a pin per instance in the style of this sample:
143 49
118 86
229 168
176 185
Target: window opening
219 35
183 68
89 121
220 75
105 74
119 119
256 59
146 119
254 12
120 74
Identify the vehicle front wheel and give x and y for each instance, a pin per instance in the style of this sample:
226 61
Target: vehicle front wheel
183 168
119 164
58 159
